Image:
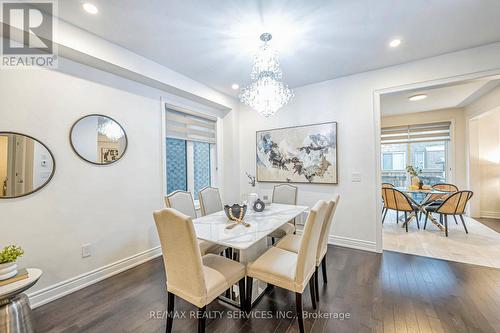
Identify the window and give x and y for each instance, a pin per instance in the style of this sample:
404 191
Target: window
423 146
191 152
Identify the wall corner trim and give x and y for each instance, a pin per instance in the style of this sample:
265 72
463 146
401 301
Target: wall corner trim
63 288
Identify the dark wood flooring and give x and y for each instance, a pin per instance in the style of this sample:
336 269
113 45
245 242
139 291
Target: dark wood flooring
392 292
491 223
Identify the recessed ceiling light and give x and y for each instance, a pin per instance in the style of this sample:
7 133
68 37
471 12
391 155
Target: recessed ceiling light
395 43
418 97
90 8
235 86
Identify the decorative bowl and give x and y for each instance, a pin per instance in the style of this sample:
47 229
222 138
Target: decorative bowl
237 212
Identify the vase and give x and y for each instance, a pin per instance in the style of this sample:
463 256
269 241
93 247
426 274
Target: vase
8 270
415 181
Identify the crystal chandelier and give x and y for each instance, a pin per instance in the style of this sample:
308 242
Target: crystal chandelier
266 94
111 130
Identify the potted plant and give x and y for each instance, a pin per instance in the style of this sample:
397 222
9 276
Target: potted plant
414 173
8 257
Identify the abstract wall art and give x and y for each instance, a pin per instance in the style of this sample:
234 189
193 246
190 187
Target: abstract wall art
301 154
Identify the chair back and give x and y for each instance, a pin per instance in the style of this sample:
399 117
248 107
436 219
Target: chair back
442 187
445 187
181 253
210 201
387 185
327 224
455 203
396 200
306 260
181 201
285 194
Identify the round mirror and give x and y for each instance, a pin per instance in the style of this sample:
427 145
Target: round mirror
26 165
98 139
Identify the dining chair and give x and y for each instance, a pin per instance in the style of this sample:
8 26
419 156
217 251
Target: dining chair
182 201
398 201
210 201
292 243
289 270
195 278
453 205
436 199
284 194
386 185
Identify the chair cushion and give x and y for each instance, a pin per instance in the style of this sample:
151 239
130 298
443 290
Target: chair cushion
277 267
209 247
287 228
290 243
219 274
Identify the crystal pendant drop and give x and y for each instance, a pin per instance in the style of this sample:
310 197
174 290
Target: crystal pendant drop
267 93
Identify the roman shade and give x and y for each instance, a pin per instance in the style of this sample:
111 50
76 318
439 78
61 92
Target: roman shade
185 126
416 133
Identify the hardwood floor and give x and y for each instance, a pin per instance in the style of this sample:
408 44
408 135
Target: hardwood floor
392 292
491 223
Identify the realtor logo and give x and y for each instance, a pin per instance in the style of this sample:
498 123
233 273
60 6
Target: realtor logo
28 33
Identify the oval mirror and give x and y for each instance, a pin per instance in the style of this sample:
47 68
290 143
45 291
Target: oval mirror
98 139
26 165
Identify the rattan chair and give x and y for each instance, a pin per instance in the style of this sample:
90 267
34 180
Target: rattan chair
453 205
386 185
398 201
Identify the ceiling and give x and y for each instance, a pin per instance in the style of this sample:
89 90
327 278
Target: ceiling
214 41
456 95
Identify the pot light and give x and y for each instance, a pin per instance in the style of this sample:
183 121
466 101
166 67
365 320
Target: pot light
235 86
395 43
90 8
418 97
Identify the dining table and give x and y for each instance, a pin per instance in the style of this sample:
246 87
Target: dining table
249 240
421 196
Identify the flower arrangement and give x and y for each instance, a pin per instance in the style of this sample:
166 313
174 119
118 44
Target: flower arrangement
251 180
414 171
10 254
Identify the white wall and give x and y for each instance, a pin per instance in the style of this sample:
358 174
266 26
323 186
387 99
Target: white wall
484 167
489 157
457 156
350 102
107 206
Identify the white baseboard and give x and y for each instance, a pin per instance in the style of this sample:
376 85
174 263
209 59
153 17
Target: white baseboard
69 286
490 214
352 243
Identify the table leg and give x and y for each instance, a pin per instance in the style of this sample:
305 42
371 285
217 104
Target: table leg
258 289
15 315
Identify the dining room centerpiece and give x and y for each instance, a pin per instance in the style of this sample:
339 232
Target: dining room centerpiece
414 172
8 258
235 214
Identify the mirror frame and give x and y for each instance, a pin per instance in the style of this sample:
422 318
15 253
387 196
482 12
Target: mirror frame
53 165
92 162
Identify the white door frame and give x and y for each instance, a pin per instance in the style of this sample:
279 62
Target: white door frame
377 128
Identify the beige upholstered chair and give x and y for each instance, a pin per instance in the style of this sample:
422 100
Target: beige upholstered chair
196 279
284 194
210 201
292 242
289 270
453 205
182 201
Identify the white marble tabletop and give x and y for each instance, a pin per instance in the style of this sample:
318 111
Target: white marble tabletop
213 227
21 285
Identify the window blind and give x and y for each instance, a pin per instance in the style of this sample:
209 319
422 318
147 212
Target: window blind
416 133
188 127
